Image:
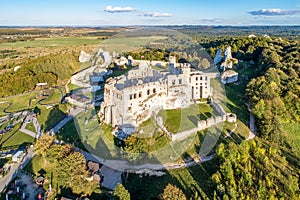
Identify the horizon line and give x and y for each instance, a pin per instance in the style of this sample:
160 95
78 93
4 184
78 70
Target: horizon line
170 25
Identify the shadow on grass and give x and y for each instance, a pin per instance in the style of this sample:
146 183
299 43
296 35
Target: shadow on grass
54 117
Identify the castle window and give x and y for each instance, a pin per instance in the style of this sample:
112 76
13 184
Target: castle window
140 94
196 78
173 82
134 96
148 92
180 81
130 96
200 78
154 90
206 78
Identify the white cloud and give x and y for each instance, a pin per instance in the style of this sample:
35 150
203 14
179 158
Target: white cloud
274 12
117 9
156 14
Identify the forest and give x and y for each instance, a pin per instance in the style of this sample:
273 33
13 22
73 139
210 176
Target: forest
50 69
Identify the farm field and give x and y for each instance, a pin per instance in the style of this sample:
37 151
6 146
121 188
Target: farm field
53 42
127 44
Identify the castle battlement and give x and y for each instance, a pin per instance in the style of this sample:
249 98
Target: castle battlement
132 99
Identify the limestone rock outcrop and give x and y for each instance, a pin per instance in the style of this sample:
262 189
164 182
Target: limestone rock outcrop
218 58
84 57
229 61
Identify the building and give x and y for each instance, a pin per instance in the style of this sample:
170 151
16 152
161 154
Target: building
129 100
78 99
229 76
17 157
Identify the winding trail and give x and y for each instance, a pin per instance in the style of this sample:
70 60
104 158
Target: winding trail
252 128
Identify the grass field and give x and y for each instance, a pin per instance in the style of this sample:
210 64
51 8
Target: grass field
191 180
3 105
36 164
127 44
70 135
30 127
49 117
55 98
54 42
15 139
18 139
184 119
19 102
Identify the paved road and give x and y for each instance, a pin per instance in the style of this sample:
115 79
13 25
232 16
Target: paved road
252 127
15 169
36 125
28 132
112 169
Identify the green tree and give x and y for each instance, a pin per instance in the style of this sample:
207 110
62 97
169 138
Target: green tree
172 192
43 144
120 193
72 172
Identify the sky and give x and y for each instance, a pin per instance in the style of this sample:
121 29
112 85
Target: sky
148 12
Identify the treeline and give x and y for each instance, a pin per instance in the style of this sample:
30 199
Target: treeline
252 171
275 96
149 54
50 69
243 48
203 32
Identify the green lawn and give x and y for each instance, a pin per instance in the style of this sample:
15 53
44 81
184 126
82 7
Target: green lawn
48 117
3 105
38 163
148 128
70 134
55 98
30 127
123 44
73 87
191 180
9 134
85 65
20 102
17 140
179 120
54 42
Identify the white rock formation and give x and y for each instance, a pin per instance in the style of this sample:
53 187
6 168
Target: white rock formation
229 76
84 57
227 54
16 68
121 61
229 61
218 58
104 58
